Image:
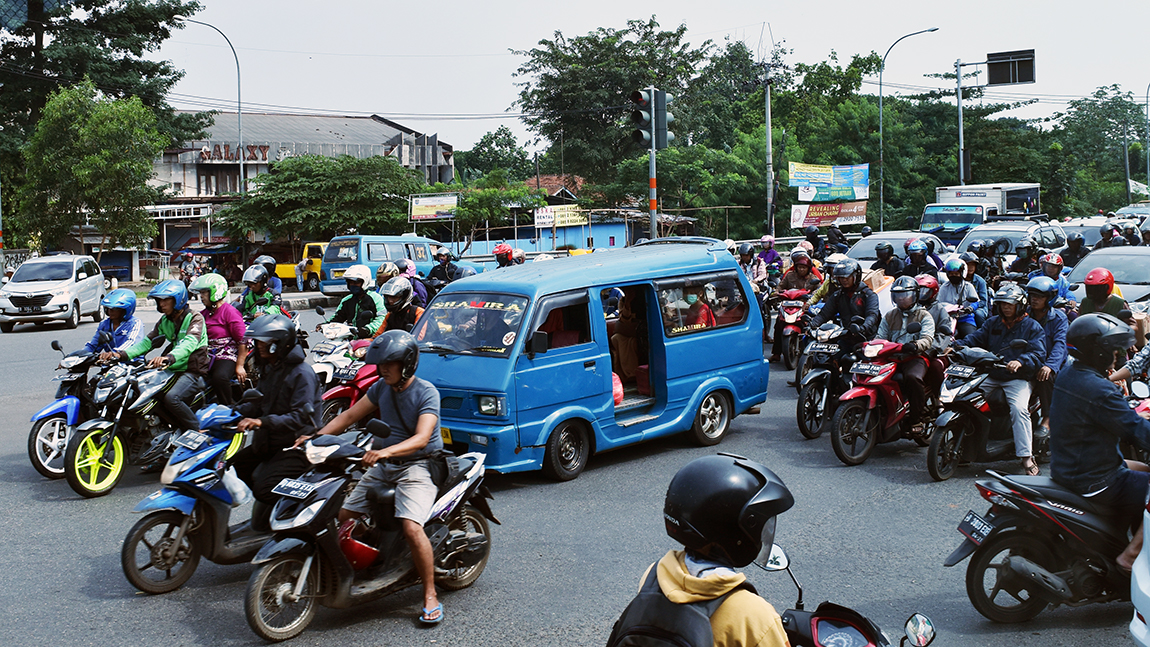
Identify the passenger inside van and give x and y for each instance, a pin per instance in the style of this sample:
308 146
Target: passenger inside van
627 341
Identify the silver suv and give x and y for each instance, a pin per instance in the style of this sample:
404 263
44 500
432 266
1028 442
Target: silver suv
52 288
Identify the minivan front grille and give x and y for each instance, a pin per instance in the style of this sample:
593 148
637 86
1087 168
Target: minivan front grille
450 403
31 301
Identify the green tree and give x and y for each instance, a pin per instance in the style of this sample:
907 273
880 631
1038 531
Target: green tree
89 161
494 150
310 196
489 202
709 112
574 92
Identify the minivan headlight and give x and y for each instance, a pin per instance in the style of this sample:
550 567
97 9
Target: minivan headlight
490 405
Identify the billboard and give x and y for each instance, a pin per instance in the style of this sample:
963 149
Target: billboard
823 215
833 193
814 175
440 206
560 215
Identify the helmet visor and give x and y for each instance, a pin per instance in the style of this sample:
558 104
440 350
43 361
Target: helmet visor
767 539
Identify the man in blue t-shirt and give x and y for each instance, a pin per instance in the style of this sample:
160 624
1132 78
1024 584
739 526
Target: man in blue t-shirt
410 407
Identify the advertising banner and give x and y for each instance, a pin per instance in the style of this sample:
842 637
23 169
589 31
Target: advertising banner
823 215
560 215
833 193
433 207
838 176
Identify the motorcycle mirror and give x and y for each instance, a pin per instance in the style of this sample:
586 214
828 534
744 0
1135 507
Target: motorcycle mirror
320 311
364 318
263 301
1140 390
56 346
251 395
972 299
308 408
105 337
919 630
1126 315
1019 344
914 327
777 561
377 427
1074 287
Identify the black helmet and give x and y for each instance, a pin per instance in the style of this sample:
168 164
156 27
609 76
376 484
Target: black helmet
866 231
990 247
276 330
848 267
1119 241
394 346
1011 293
968 257
1027 243
929 245
1107 228
746 249
811 230
403 264
1075 237
396 293
255 274
268 262
1093 339
904 292
884 249
724 508
974 247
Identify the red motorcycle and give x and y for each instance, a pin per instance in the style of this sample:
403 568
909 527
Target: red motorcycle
791 304
875 409
353 382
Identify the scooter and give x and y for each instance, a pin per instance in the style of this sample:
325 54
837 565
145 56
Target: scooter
54 425
313 560
328 357
1039 545
801 364
351 384
791 303
974 426
829 359
875 409
188 517
833 625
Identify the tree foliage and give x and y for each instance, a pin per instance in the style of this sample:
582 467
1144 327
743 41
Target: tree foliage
89 162
490 201
496 150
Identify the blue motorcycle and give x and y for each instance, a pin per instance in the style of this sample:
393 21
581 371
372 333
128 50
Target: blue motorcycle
52 426
188 518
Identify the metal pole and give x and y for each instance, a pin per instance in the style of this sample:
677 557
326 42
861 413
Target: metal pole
881 149
1126 156
1148 140
958 98
239 103
770 154
652 206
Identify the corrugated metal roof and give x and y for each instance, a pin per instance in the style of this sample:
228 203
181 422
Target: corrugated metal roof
312 129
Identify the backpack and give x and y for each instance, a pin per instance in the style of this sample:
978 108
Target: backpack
651 620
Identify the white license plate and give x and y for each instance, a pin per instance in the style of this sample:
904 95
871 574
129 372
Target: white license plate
294 489
28 309
958 370
191 439
820 347
792 304
323 348
866 369
348 372
975 528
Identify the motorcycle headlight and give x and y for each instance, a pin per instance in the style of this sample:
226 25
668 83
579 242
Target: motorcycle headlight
871 350
101 394
301 519
172 471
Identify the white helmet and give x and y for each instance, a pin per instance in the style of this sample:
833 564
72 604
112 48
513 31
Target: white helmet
359 273
543 257
730 244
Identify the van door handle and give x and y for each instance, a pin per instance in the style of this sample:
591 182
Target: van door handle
589 364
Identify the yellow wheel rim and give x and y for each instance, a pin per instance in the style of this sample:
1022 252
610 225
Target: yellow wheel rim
93 472
236 445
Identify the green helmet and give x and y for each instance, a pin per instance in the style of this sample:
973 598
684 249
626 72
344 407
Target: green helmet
214 283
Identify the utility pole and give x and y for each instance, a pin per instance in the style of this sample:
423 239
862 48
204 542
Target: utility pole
958 99
770 155
1126 156
652 205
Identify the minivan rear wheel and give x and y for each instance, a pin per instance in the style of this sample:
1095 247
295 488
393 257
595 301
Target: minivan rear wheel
712 420
567 451
74 317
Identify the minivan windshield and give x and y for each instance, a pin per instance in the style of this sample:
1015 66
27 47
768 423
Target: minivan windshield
478 323
342 251
28 272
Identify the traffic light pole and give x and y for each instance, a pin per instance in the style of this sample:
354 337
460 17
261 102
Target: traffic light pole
653 205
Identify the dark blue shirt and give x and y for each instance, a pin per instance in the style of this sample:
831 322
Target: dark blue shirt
1088 418
1055 325
995 336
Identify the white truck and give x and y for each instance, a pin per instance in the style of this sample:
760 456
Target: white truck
957 209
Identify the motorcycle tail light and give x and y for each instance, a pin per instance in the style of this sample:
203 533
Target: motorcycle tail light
984 406
994 498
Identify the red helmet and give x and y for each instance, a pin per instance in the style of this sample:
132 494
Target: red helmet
1053 259
358 553
928 288
1101 276
502 248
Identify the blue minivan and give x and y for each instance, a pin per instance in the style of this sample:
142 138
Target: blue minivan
523 357
344 251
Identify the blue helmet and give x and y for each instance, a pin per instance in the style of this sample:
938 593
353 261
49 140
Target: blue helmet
954 265
122 299
170 288
916 246
1043 285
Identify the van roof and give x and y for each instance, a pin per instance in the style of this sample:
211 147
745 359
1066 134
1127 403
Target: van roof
386 238
613 267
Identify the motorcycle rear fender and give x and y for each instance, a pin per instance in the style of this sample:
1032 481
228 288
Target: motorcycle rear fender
1001 523
964 550
281 546
815 374
167 500
69 405
340 391
860 392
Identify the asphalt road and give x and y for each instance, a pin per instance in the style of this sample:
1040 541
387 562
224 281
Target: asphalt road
564 563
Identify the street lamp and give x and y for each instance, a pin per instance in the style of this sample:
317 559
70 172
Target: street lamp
239 107
881 165
1148 141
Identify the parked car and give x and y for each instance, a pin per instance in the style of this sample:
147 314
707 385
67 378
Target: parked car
863 250
1137 211
61 287
524 360
313 252
1049 235
344 251
1127 264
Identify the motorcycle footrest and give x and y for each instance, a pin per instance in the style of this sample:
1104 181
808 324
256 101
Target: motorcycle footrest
1040 581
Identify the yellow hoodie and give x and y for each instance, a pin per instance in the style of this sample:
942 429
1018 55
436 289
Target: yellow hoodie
743 620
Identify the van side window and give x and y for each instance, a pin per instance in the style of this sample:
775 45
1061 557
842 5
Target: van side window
376 252
694 304
417 253
565 319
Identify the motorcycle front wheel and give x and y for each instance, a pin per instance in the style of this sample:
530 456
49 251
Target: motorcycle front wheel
809 416
791 352
150 558
472 522
47 444
945 451
992 586
271 606
91 468
852 443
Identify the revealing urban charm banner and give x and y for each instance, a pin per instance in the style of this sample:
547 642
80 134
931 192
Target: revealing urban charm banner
823 215
814 175
833 193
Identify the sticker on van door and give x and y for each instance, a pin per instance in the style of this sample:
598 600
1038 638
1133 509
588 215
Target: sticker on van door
509 339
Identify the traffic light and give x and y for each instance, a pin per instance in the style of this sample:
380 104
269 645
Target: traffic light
643 117
662 118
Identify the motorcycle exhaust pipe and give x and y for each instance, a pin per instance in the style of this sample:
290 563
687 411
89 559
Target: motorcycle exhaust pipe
1040 581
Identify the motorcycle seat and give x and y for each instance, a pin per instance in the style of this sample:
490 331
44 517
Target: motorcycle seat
382 500
463 465
1047 488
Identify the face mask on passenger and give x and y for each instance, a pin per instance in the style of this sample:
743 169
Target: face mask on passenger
692 298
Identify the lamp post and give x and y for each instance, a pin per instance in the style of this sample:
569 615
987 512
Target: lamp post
881 165
1148 140
239 105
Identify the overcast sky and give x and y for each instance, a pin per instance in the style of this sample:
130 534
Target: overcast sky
445 67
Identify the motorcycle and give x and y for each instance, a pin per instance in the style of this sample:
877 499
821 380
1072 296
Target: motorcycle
1039 545
305 563
352 382
828 359
188 517
790 304
329 356
131 428
833 625
54 425
801 365
875 409
975 422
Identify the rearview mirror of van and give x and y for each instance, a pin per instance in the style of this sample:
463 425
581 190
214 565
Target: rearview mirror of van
538 342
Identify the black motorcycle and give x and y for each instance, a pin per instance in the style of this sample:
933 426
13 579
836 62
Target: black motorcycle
1039 545
828 361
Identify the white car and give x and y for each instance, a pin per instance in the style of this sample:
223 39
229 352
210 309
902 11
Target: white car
1140 592
61 287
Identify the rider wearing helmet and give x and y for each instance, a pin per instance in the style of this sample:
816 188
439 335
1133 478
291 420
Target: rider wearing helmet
1091 418
410 407
385 272
753 267
1075 249
1051 265
828 285
226 330
979 283
188 268
120 321
1100 295
502 254
837 239
723 510
916 259
1131 234
853 298
818 249
801 276
444 269
989 264
187 337
363 309
1118 241
770 256
1042 290
904 292
865 231
1108 231
1027 259
943 324
888 261
731 246
269 264
958 291
418 291
995 335
402 313
518 256
257 298
288 385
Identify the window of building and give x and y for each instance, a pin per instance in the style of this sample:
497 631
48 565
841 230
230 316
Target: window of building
695 303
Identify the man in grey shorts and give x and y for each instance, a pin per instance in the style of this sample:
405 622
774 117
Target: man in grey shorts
410 407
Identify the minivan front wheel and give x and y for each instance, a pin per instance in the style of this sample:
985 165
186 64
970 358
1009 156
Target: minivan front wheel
712 420
74 317
567 451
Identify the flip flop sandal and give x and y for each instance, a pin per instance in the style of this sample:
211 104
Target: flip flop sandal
1030 467
425 619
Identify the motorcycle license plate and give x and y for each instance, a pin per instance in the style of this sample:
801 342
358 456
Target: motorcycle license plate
294 489
191 439
348 372
957 370
445 433
323 348
975 528
792 304
866 369
819 347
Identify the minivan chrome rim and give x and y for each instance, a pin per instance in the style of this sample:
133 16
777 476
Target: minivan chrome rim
712 415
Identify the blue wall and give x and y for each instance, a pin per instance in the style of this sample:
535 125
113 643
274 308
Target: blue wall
604 236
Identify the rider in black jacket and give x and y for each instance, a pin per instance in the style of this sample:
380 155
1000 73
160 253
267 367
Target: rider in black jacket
853 298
